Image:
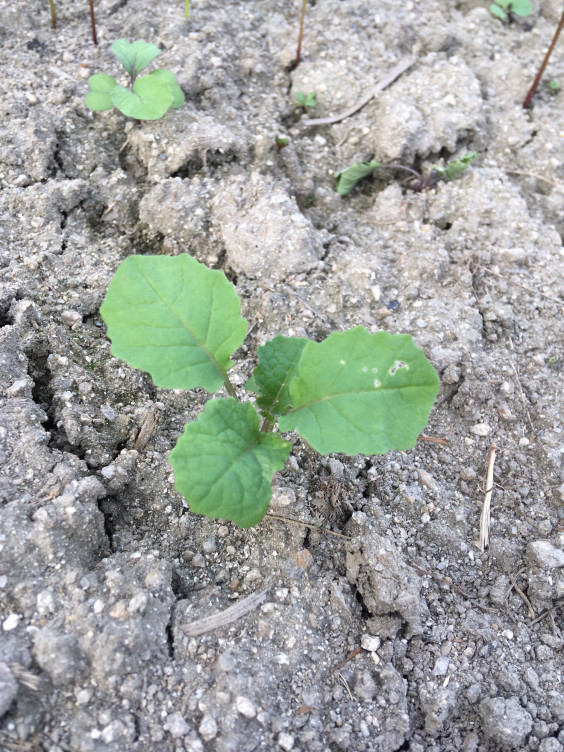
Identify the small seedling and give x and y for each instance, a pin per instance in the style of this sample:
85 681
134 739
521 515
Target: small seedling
149 97
355 392
281 143
92 19
554 86
305 100
502 8
544 63
347 179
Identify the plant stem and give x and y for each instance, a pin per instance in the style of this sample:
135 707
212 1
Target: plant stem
93 22
301 34
187 9
53 14
229 386
544 63
266 426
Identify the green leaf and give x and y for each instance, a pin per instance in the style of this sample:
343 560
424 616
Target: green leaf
175 318
168 77
521 7
135 56
495 10
98 97
361 393
224 465
457 166
300 98
347 179
311 100
278 364
149 100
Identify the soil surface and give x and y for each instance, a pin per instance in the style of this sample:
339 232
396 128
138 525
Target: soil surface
375 622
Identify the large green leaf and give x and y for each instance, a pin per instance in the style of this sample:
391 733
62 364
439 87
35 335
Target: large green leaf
150 99
175 318
168 77
361 393
224 465
98 97
347 179
135 56
278 364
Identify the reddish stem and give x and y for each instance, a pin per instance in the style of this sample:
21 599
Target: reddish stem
93 22
301 34
538 77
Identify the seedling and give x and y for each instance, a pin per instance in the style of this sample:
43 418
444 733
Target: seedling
281 143
92 19
554 86
355 392
347 179
305 100
502 8
149 97
544 63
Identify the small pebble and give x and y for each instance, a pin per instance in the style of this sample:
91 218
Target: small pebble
286 741
480 429
245 707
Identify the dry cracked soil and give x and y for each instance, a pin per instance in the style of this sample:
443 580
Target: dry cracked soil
368 618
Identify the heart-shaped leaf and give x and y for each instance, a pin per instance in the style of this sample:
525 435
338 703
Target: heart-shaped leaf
168 77
135 56
361 393
175 318
150 99
278 364
224 465
98 97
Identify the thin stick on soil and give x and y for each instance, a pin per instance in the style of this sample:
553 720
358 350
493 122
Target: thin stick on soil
53 14
300 35
93 22
544 63
484 539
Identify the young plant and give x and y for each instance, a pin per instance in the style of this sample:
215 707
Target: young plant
305 100
149 97
355 392
281 143
92 19
501 8
544 63
347 179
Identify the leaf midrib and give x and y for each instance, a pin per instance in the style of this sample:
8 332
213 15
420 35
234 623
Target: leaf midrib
201 345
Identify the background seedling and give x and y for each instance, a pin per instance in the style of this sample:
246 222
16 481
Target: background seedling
305 100
544 63
281 143
149 97
355 392
92 19
347 179
501 8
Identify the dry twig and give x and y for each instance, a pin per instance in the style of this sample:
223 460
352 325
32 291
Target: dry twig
382 84
224 618
484 539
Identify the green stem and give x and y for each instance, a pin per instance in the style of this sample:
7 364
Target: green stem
53 14
266 426
187 9
301 34
544 63
229 386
